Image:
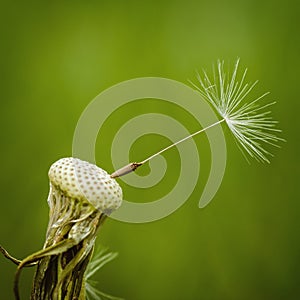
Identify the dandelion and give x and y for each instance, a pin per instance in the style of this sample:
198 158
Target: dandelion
80 198
82 195
249 121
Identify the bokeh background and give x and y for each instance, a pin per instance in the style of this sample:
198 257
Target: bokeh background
56 56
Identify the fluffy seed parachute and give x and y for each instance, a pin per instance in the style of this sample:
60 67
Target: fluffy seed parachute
249 121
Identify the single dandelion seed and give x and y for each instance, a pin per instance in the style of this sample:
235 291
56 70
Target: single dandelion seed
249 121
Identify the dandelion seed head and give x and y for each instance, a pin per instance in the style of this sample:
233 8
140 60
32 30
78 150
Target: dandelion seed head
82 180
248 120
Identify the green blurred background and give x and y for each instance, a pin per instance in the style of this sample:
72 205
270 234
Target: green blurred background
56 56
